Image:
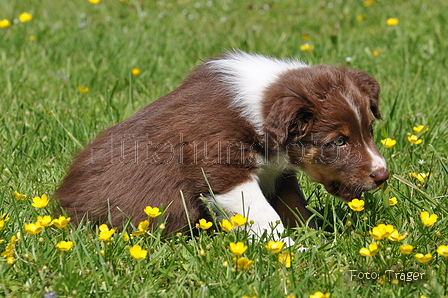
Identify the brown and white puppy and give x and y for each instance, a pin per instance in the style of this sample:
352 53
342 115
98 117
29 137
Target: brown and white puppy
248 122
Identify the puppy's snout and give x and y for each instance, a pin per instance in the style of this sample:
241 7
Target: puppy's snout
380 176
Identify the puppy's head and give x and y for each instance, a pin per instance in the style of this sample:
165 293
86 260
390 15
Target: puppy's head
322 117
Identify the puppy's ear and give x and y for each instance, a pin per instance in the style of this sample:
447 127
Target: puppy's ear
370 87
288 116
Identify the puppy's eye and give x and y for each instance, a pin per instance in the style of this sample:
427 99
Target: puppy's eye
340 142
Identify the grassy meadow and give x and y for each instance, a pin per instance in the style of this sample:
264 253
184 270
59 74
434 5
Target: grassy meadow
69 69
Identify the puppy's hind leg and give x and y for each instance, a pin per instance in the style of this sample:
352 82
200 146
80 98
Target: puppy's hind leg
248 199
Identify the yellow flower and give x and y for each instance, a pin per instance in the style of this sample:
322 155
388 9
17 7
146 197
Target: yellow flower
242 263
33 228
392 22
61 222
204 224
238 248
422 177
286 258
388 142
44 221
274 246
2 224
65 245
406 249
32 37
94 1
306 37
126 237
356 205
320 295
25 17
419 128
152 212
413 139
137 252
443 250
368 3
421 258
376 53
40 202
19 196
393 201
361 17
395 236
238 220
83 89
103 227
135 72
10 261
371 251
142 228
105 235
381 231
226 225
428 220
5 23
306 47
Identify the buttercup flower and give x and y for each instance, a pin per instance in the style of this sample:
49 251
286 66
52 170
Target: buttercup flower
238 248
33 228
361 17
413 139
381 231
204 224
306 47
142 228
392 22
371 251
286 258
94 1
356 205
137 252
388 142
65 245
44 221
152 212
19 196
61 222
419 128
25 17
126 237
421 258
428 220
274 246
395 236
2 224
393 201
406 249
5 23
135 72
422 177
238 220
320 295
106 234
242 263
368 3
226 225
40 202
443 250
83 89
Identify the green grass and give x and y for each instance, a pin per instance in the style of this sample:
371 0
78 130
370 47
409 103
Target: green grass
45 121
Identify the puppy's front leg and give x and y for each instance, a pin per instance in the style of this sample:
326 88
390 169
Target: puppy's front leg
248 199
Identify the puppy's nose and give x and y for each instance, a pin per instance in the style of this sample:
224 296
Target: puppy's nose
380 176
